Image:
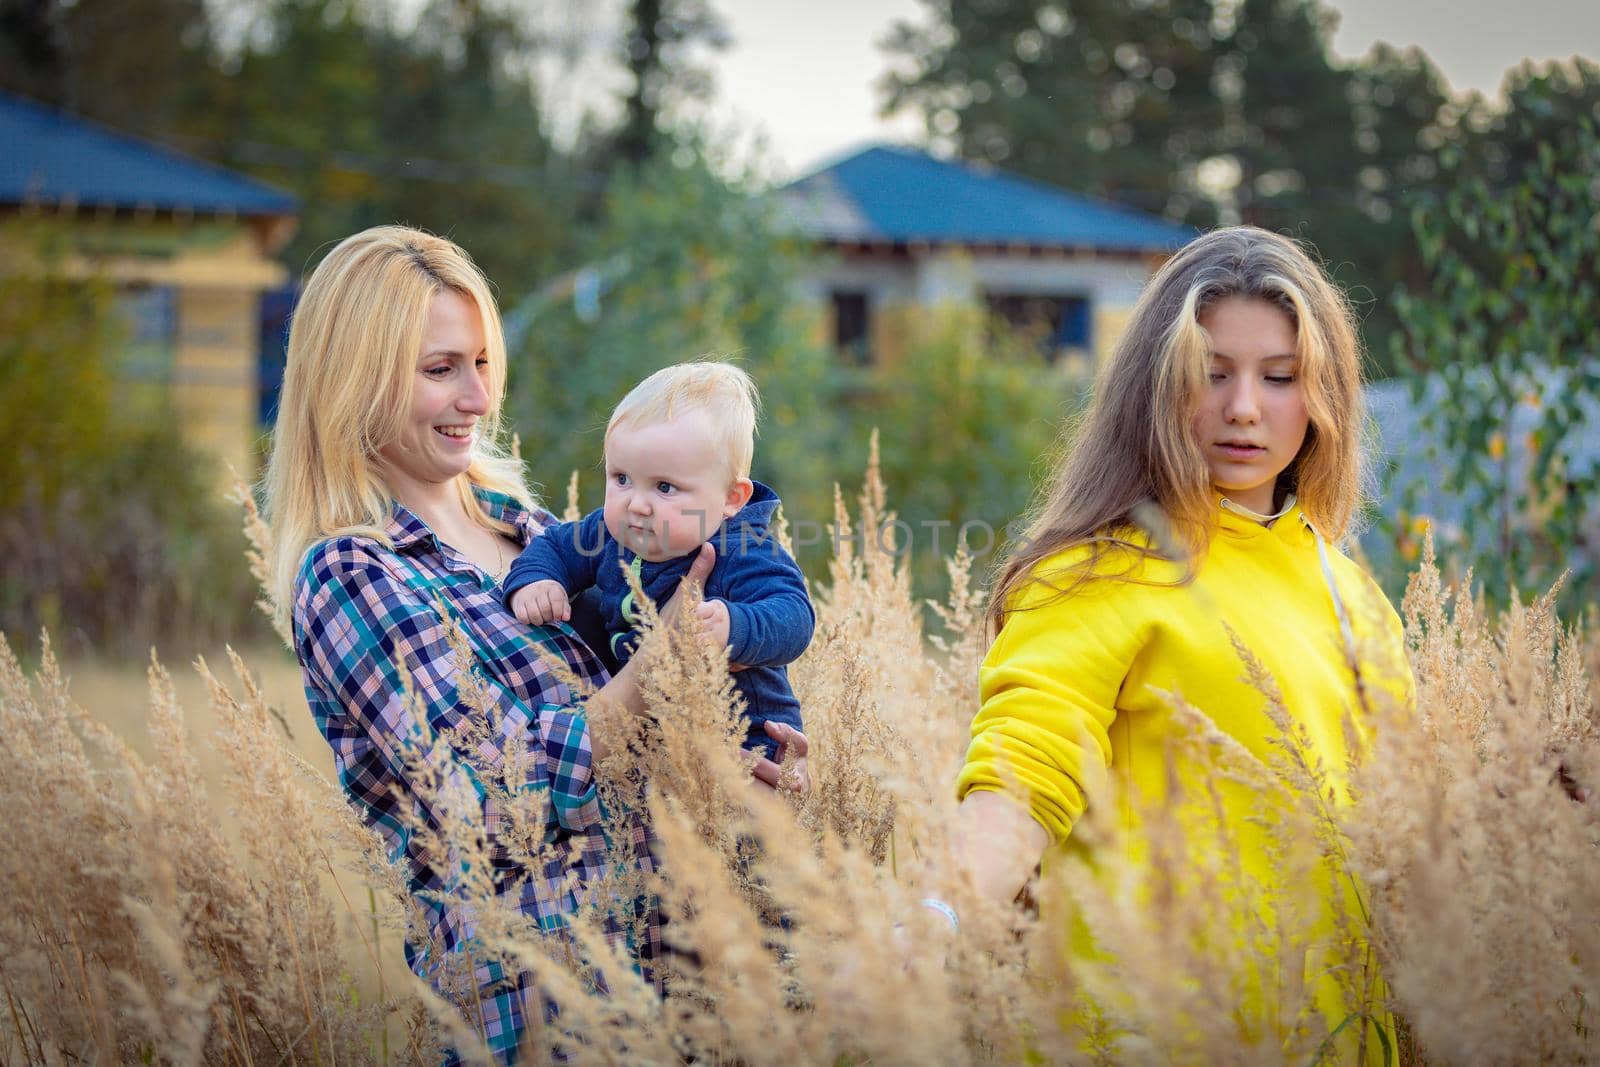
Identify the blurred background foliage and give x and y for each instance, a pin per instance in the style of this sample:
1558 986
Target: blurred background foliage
626 236
1503 340
685 264
680 264
109 536
1216 113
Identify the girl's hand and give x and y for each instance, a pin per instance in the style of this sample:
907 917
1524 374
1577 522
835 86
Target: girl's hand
770 775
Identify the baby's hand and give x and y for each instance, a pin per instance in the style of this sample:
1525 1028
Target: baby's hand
713 615
540 603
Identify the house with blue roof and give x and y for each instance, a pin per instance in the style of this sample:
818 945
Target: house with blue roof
906 232
187 244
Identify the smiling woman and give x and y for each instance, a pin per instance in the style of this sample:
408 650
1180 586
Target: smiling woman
436 444
395 510
454 391
392 504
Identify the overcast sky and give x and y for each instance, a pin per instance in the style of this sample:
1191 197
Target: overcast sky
803 74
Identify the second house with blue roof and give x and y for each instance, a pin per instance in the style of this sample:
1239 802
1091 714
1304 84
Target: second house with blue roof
906 232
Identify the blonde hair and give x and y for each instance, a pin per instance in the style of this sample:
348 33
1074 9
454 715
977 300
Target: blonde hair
1135 447
720 389
353 347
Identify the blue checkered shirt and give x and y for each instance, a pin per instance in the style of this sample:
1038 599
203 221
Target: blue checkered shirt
358 614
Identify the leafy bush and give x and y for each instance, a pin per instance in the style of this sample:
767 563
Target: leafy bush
1502 350
109 534
965 415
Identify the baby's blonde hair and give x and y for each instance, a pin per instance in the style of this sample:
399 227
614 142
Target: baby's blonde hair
721 390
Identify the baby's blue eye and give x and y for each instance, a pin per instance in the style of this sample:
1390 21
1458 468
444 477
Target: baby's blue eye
620 479
665 487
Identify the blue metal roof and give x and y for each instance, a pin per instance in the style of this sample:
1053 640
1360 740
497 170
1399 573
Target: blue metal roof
50 157
903 195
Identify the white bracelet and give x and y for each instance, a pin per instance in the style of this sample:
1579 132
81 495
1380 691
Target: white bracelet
943 909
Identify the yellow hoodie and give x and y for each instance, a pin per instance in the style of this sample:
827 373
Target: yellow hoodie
1075 686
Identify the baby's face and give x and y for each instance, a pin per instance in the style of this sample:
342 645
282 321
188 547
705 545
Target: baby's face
668 486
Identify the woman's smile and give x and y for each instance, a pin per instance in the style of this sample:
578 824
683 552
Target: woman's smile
452 380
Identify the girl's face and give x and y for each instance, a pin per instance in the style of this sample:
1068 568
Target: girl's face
449 396
1252 419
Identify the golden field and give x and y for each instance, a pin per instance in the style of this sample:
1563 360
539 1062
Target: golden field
171 873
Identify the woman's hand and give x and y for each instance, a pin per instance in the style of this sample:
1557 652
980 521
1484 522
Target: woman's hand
770 775
715 620
699 571
623 688
713 614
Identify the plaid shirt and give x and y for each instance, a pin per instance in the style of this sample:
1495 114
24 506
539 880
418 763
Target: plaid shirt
358 614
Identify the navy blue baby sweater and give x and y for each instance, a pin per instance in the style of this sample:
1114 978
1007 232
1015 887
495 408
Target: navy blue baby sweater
770 618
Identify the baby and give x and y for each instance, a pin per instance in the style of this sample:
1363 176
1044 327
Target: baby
677 457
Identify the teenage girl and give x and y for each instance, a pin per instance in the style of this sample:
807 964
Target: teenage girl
1202 498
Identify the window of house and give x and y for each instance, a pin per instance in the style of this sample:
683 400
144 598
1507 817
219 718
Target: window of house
150 316
1059 322
852 325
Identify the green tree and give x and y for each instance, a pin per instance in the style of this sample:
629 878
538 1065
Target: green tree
1401 110
659 54
1202 111
1290 125
33 49
1109 99
436 125
1324 150
109 536
96 57
683 265
1544 103
1502 343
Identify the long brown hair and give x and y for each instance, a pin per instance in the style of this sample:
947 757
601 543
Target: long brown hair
1132 461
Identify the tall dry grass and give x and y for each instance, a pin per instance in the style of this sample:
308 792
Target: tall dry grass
1477 829
1464 873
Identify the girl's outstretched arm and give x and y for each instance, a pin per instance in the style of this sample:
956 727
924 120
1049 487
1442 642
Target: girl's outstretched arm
997 844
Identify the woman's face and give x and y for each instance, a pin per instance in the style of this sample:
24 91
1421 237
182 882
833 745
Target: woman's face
449 396
1252 418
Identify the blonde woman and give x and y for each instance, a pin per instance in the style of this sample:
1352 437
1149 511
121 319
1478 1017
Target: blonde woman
1202 498
393 505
